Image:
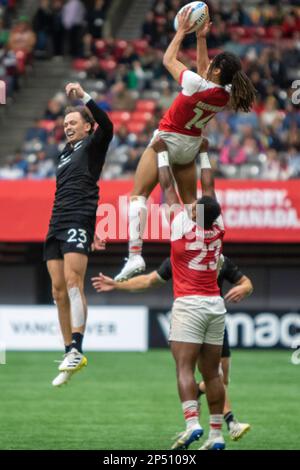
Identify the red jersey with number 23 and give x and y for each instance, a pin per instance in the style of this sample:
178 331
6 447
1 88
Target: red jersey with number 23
195 255
196 104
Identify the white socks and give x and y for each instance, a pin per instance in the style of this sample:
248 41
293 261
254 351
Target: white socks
215 422
191 414
137 223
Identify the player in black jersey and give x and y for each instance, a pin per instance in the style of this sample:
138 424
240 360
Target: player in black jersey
72 224
242 287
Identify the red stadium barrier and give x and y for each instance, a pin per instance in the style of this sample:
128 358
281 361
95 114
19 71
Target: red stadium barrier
254 211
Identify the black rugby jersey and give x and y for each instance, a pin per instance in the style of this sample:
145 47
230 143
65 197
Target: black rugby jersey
78 171
229 272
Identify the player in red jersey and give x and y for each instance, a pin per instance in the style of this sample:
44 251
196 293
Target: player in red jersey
203 94
198 320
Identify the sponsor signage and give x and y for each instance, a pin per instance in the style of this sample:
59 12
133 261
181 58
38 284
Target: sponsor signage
253 211
245 329
108 329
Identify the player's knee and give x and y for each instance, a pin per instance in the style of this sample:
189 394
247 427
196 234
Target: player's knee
74 280
59 294
210 373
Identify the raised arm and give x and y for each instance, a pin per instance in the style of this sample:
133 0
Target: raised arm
170 60
166 180
202 54
207 176
103 134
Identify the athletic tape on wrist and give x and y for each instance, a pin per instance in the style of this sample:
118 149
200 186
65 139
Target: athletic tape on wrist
86 98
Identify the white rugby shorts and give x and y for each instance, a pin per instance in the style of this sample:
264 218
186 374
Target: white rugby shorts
182 149
198 319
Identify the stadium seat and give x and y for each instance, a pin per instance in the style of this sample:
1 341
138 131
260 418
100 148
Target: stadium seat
108 65
120 47
119 116
145 105
47 124
142 116
100 47
135 127
80 64
140 46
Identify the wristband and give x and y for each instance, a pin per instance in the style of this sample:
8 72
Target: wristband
205 163
162 159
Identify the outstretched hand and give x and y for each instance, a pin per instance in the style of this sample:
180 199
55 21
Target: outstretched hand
103 283
203 31
184 24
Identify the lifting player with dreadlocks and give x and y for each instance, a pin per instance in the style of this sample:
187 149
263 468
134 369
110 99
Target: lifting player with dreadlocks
205 93
72 224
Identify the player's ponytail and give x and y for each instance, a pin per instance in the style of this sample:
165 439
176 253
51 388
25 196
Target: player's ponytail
242 92
242 89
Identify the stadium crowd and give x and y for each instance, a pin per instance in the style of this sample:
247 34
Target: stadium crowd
128 80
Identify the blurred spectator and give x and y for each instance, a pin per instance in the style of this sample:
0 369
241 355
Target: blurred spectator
22 37
54 110
57 28
233 153
121 97
95 19
42 24
73 14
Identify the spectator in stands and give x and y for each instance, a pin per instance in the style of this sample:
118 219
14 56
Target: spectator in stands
73 14
22 37
57 28
149 27
233 153
54 110
4 33
271 112
121 97
36 132
95 19
42 23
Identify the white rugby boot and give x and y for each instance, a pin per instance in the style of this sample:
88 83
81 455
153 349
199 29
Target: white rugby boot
73 361
214 443
237 430
134 265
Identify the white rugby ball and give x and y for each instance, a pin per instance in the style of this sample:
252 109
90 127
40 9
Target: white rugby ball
199 13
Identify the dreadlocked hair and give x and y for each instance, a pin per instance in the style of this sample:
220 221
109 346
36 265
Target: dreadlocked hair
242 91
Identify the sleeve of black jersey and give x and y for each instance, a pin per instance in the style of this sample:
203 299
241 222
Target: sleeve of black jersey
232 272
102 135
165 270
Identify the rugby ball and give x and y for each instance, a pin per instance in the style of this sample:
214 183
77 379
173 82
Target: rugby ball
199 13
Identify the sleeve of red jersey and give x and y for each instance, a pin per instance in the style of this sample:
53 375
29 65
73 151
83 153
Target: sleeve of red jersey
192 83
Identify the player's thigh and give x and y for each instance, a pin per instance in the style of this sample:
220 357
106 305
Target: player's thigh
185 354
146 175
209 360
75 265
56 270
186 179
